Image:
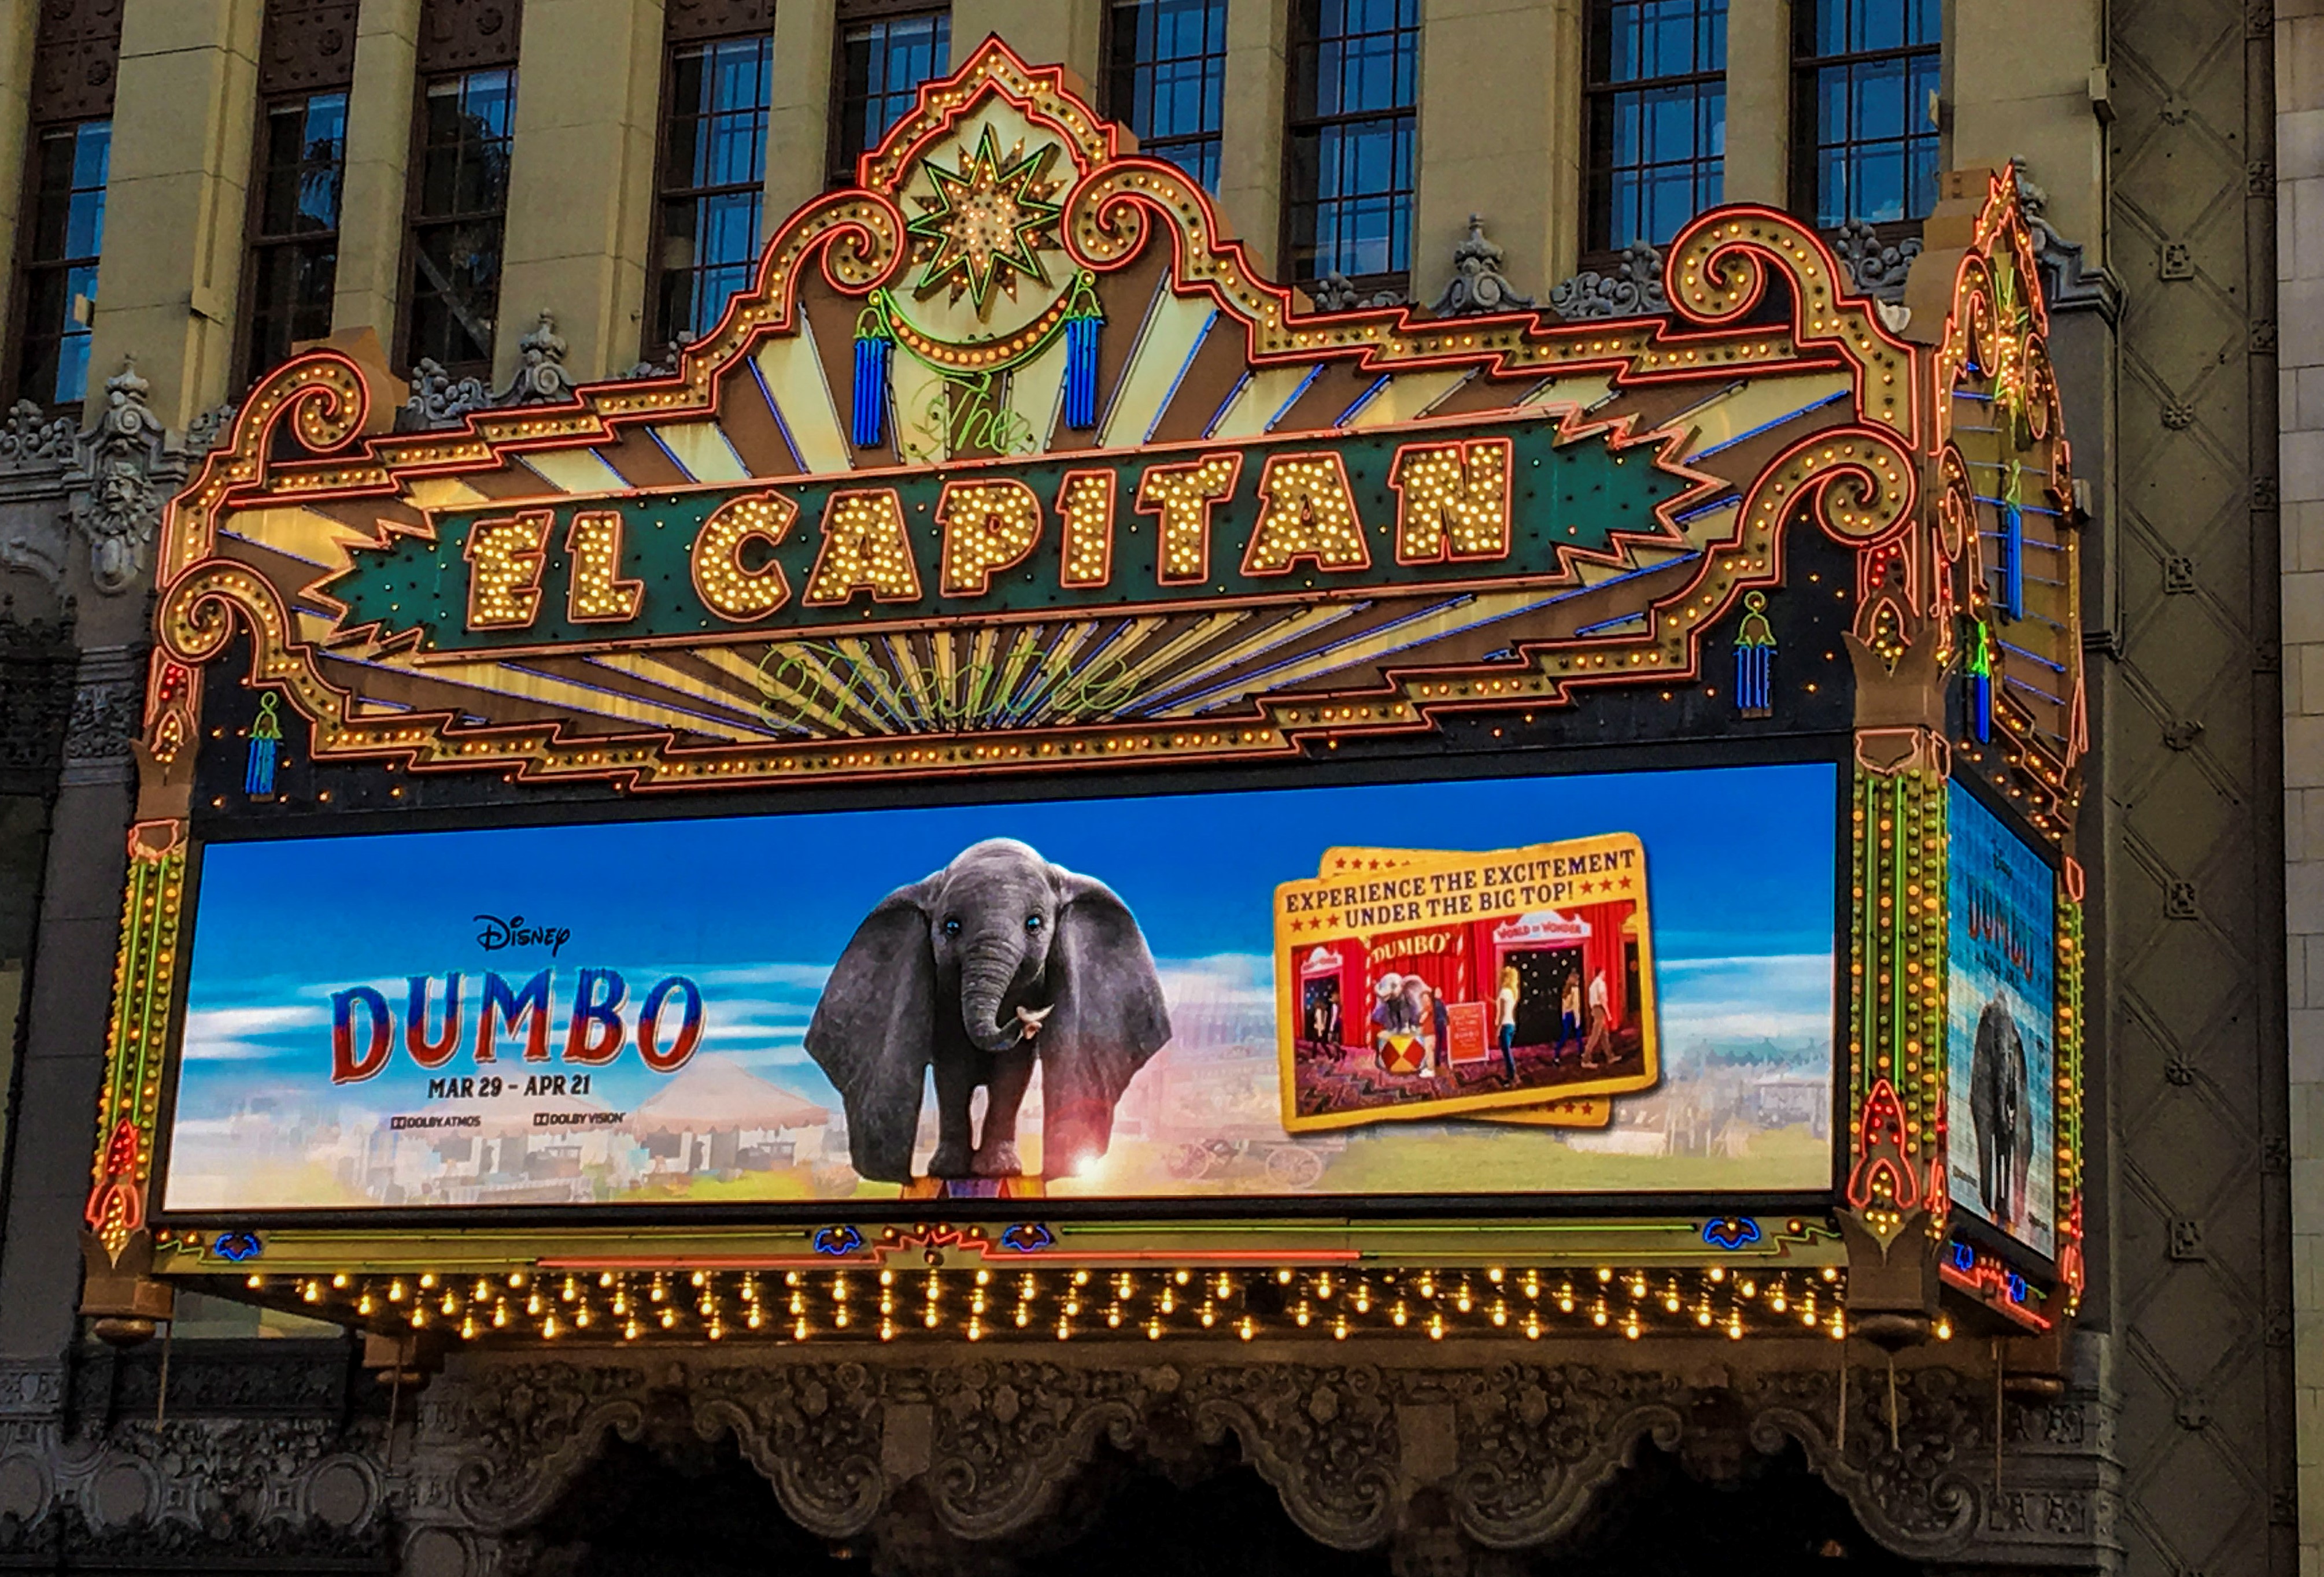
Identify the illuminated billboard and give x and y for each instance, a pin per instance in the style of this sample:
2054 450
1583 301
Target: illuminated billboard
2001 912
1623 983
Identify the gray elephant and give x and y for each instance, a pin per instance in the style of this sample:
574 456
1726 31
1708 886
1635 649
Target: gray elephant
2000 1112
997 959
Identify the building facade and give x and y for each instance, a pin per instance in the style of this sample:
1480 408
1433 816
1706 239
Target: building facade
481 205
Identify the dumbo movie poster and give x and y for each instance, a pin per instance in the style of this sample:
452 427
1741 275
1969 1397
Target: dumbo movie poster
1062 998
2001 916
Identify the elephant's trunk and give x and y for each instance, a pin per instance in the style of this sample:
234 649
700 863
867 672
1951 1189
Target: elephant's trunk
983 985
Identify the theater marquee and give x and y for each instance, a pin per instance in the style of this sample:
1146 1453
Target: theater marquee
1036 750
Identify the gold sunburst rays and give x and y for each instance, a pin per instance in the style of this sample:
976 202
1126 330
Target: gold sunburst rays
1364 647
1295 623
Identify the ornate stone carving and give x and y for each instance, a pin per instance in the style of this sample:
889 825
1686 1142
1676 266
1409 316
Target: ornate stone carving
540 377
1335 292
1005 1435
2066 282
115 506
1326 1439
967 1462
203 433
34 541
105 484
184 1493
813 1432
1535 1442
1633 289
438 399
665 365
29 438
105 710
1478 285
1878 267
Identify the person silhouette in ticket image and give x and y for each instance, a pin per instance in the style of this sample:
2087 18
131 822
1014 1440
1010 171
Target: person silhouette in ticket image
1506 1014
1600 1039
1438 1023
1569 1019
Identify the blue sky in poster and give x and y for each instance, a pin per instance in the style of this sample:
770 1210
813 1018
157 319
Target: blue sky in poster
1739 863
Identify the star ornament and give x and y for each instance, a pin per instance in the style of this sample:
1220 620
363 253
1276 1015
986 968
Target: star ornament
984 225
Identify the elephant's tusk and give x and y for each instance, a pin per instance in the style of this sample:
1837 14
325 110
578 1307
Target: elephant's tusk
1030 1019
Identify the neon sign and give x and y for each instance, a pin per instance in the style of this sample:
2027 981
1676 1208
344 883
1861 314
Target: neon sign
1467 506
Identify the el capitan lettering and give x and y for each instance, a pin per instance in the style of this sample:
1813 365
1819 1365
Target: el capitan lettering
1501 501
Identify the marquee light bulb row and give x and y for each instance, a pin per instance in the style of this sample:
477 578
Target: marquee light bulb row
887 1305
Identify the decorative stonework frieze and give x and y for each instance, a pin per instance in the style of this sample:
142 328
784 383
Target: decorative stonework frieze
956 1462
1478 285
1335 292
438 399
106 706
1878 267
1631 288
31 439
1516 1450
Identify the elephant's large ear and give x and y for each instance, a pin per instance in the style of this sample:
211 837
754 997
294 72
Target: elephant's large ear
873 1031
1108 1018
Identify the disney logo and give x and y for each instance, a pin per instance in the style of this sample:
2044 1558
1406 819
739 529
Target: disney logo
513 933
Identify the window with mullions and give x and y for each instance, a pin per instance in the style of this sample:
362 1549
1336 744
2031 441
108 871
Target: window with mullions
59 273
459 210
1657 116
1166 77
881 65
1355 69
713 166
1866 74
294 244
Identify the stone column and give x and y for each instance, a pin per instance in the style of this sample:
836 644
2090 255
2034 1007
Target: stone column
798 113
1250 141
1500 136
19 30
380 107
1758 102
175 204
1068 32
2012 99
2300 311
581 180
71 985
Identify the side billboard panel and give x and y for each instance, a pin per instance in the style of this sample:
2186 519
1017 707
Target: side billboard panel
2001 912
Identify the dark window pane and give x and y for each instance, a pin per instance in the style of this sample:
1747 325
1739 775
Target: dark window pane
714 168
1349 164
63 236
458 213
1866 69
1167 77
294 250
1656 118
881 65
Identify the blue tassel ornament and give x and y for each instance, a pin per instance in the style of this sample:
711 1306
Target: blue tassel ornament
1084 320
1980 683
1755 659
265 748
2012 548
875 350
